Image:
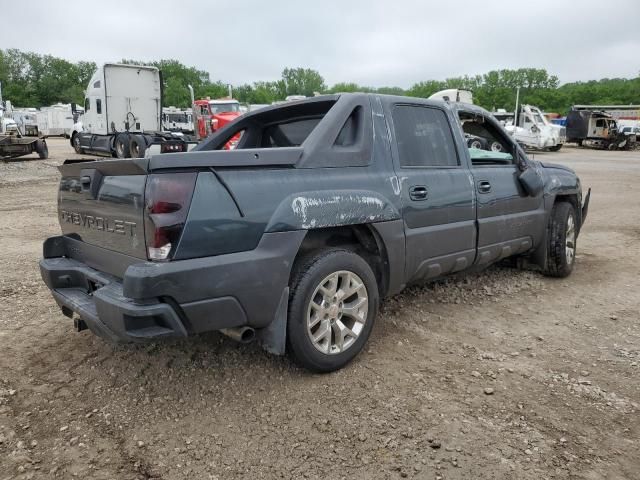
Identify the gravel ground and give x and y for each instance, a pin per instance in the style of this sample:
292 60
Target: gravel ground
501 374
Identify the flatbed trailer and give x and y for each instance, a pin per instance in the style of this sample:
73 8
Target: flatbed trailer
14 144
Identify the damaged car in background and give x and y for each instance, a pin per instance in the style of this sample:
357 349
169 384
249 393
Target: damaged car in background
325 206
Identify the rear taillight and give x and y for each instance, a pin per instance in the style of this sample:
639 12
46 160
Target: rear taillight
167 199
170 148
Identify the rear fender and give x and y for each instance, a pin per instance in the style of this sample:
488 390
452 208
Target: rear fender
321 209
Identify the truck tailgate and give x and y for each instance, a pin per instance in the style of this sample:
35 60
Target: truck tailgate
102 203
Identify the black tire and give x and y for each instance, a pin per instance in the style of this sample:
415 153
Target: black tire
137 146
477 142
308 274
41 149
559 261
75 143
496 147
121 146
555 148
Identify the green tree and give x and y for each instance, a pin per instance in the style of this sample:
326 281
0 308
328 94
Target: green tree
301 81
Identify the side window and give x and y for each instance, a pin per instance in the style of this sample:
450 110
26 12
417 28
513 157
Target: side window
487 143
350 131
424 137
87 105
98 106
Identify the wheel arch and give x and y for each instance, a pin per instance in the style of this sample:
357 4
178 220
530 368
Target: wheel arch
363 239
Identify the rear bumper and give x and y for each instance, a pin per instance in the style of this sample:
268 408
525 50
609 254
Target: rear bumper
173 299
97 298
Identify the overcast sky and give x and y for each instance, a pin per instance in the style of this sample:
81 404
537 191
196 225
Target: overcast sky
374 43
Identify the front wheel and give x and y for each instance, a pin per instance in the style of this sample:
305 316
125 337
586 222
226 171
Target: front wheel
332 308
561 240
555 148
75 141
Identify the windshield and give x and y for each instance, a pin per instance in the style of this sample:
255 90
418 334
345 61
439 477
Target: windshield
224 107
537 116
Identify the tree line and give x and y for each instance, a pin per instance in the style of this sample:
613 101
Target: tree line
33 80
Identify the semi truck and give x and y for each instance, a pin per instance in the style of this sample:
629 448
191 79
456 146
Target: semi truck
122 115
211 115
596 129
177 120
532 129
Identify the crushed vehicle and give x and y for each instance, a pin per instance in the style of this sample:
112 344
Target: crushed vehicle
596 129
632 133
532 129
122 115
324 207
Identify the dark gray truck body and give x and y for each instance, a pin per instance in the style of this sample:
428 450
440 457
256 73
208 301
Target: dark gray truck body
255 208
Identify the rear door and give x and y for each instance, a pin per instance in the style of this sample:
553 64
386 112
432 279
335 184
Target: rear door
437 194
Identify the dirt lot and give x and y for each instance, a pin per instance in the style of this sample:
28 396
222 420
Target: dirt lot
561 358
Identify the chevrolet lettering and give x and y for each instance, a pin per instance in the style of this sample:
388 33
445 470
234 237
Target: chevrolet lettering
122 227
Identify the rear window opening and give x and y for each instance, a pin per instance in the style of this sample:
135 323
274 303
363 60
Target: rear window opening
285 126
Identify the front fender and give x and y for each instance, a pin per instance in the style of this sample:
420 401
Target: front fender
559 180
334 208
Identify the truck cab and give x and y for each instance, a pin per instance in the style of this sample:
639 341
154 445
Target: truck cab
212 115
177 120
535 131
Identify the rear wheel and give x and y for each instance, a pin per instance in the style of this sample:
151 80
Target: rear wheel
555 148
122 146
137 146
332 308
561 241
41 149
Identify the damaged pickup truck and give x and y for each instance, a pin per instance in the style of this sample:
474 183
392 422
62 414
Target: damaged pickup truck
325 206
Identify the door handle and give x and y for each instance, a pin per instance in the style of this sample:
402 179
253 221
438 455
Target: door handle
484 186
419 192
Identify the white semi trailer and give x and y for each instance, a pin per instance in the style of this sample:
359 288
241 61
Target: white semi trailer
123 114
55 120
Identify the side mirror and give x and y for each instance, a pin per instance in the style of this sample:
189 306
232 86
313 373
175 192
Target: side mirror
534 129
531 181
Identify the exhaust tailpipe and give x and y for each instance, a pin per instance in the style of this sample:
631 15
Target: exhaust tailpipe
240 334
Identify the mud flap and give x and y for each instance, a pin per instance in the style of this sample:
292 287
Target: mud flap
585 208
273 338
